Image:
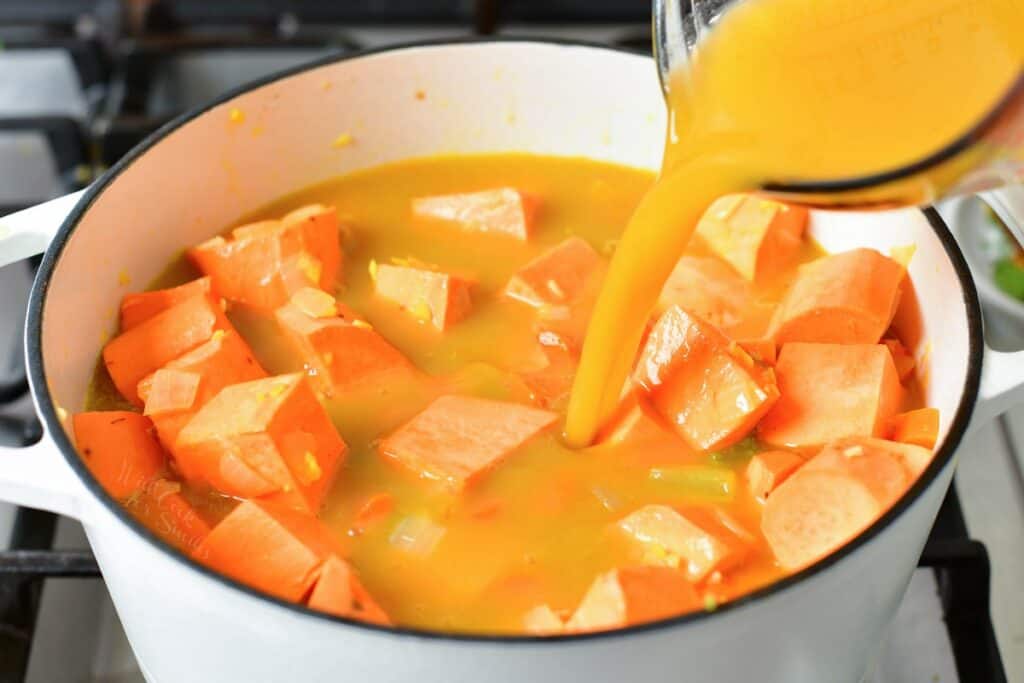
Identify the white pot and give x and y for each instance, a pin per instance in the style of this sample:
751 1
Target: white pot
202 172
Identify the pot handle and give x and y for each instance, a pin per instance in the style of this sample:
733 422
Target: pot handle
1002 379
28 233
38 476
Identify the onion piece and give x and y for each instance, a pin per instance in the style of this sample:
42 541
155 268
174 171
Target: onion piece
417 535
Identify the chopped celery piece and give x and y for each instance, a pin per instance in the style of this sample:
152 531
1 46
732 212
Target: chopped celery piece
738 453
698 481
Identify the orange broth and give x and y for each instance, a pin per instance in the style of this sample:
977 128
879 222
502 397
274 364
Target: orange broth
540 526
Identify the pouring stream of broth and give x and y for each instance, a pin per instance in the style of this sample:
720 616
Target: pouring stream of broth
789 90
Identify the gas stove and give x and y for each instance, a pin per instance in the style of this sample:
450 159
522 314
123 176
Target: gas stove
82 81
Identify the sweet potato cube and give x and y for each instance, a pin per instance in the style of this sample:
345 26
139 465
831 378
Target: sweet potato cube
562 275
767 470
165 511
758 237
458 438
319 226
813 513
345 353
836 495
265 263
762 350
635 421
338 591
137 308
919 427
707 288
830 391
264 438
154 343
500 211
432 297
846 298
269 547
635 595
551 384
542 621
902 358
879 469
120 449
670 539
174 393
912 458
703 384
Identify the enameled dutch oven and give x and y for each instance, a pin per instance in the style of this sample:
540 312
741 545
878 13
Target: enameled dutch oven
206 169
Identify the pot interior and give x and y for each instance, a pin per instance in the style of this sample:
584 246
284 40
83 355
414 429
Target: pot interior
193 181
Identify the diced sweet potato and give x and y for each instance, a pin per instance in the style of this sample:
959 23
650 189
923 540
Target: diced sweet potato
707 288
501 211
758 237
847 298
836 495
137 308
830 391
634 421
879 468
635 595
813 513
550 385
345 354
919 427
432 297
711 391
902 358
265 263
338 591
166 512
152 344
762 350
560 276
120 449
542 621
269 547
174 393
671 540
767 470
319 226
264 438
458 438
914 459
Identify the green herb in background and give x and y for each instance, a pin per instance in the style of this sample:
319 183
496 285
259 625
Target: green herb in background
1009 277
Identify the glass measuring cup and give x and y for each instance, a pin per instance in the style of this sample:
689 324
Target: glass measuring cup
988 158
